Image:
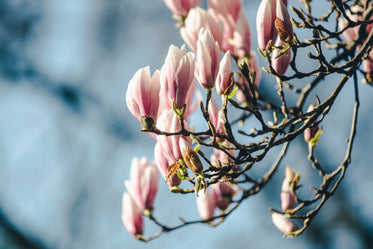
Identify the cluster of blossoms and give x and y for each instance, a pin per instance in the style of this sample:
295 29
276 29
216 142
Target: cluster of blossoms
274 27
163 103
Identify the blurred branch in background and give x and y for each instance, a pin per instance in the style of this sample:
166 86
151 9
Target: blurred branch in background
11 237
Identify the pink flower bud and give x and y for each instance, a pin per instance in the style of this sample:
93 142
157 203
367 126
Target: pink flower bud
227 13
143 183
223 193
131 216
208 58
288 196
191 107
177 76
163 164
241 36
168 121
280 62
227 8
283 224
206 204
217 117
142 95
265 23
310 132
283 23
190 157
223 81
181 7
196 19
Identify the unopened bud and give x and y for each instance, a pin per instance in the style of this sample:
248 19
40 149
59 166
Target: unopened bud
190 157
283 223
312 133
288 195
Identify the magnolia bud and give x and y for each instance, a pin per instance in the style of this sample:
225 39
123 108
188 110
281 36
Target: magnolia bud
190 157
241 39
223 193
265 23
288 196
196 19
142 96
283 223
208 58
217 117
143 184
206 204
223 80
310 132
280 59
131 217
177 76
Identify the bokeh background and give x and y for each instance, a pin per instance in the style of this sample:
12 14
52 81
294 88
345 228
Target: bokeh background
67 138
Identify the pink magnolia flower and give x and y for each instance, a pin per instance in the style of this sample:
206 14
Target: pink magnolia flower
181 7
280 63
310 132
223 193
254 66
288 196
217 117
236 29
223 81
241 42
208 58
131 216
177 76
228 12
163 164
265 23
227 25
206 204
283 223
142 95
196 19
168 121
226 8
143 183
190 105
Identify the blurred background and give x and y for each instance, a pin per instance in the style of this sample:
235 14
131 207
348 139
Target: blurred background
67 138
